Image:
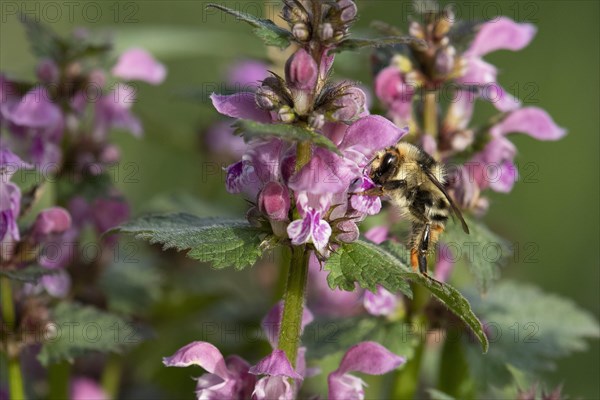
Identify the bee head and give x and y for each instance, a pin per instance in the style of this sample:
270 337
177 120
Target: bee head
384 166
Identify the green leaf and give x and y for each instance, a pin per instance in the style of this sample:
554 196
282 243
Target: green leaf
30 274
482 249
222 243
370 265
133 285
329 337
357 44
528 330
44 42
252 129
77 329
267 30
437 395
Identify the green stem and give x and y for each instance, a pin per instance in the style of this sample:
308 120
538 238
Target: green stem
15 377
58 380
111 377
302 154
295 292
453 378
406 383
430 116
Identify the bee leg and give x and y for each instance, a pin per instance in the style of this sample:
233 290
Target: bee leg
423 248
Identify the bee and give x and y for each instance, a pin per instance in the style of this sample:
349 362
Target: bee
414 182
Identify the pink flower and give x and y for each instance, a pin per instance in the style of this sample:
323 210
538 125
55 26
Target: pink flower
112 111
138 64
225 378
445 263
86 389
383 302
310 229
500 34
395 94
366 357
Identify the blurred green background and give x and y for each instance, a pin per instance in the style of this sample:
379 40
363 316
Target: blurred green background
557 208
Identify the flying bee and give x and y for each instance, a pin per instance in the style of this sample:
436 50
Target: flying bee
414 182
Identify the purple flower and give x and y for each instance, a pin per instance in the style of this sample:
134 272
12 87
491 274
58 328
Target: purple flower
220 139
113 112
274 201
310 229
86 389
47 71
370 205
247 73
240 105
225 378
301 71
35 110
499 34
393 91
49 221
276 383
366 357
383 302
530 120
138 64
109 212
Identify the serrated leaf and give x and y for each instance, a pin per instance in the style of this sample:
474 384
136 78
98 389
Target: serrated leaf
482 249
30 274
222 243
77 329
357 44
336 336
528 330
367 265
370 265
267 30
251 129
44 42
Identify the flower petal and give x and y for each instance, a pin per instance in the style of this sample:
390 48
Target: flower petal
501 34
326 172
273 388
51 220
478 72
275 364
240 105
383 302
377 234
530 120
247 74
345 387
86 389
500 98
372 133
138 64
202 354
36 110
301 70
505 179
370 358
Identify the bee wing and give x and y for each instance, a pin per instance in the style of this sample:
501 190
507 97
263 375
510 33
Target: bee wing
456 210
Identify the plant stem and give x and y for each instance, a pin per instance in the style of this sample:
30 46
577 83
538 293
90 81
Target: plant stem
430 114
295 292
453 376
302 154
406 383
15 377
111 377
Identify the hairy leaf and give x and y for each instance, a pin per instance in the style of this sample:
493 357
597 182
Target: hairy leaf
357 44
29 274
482 249
77 329
252 129
528 329
222 243
43 41
370 265
267 30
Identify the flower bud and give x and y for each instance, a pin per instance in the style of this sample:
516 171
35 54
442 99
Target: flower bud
47 71
349 105
51 220
325 31
348 10
293 14
286 115
403 63
444 60
274 201
348 232
416 30
462 139
316 120
266 98
301 32
301 71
